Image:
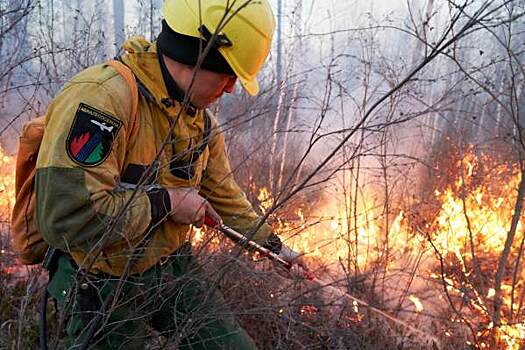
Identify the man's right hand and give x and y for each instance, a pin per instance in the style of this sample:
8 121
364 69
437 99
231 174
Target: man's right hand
190 208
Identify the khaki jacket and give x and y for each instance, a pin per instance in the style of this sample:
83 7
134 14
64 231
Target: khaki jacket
81 190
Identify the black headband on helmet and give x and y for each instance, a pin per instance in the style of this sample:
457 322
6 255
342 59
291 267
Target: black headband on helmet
185 49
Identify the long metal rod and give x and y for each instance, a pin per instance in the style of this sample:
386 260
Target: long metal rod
241 240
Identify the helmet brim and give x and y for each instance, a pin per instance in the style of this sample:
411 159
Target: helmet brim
251 87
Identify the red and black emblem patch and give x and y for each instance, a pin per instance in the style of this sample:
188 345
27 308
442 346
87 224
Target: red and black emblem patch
91 136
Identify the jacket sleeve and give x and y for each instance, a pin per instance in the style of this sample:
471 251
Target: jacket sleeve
78 169
224 194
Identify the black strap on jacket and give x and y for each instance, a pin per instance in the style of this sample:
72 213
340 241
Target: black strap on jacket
184 168
180 166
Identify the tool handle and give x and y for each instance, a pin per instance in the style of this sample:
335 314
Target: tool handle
210 222
239 238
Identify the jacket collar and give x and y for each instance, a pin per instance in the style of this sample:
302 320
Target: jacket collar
143 59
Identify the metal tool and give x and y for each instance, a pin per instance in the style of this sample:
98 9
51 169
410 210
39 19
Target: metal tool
241 240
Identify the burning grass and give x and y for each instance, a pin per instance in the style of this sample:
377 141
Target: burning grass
469 233
432 263
428 265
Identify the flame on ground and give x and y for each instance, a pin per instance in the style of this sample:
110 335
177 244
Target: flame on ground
7 186
477 206
473 217
417 303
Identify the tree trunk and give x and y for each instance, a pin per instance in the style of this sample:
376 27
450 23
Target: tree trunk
118 24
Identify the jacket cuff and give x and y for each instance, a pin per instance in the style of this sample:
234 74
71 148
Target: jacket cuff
273 243
160 204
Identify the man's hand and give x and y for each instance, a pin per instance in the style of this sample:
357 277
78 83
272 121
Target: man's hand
299 265
188 207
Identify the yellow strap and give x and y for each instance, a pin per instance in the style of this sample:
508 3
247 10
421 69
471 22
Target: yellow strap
129 77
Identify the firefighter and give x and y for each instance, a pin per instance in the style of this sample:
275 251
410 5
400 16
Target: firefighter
119 209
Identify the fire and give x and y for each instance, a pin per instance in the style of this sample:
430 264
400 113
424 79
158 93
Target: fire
476 210
7 200
265 199
7 185
512 335
328 236
308 310
198 234
417 303
475 206
487 217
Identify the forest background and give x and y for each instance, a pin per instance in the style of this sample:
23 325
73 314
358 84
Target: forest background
386 143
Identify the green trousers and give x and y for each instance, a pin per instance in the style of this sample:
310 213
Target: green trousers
172 298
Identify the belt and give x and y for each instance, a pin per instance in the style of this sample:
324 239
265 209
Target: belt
52 255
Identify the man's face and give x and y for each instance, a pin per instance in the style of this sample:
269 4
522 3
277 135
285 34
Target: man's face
208 86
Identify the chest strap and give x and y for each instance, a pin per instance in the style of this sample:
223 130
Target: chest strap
184 168
181 166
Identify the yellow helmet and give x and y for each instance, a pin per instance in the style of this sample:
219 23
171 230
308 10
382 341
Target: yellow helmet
244 40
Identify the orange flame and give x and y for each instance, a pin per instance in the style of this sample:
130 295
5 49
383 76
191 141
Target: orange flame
472 207
7 185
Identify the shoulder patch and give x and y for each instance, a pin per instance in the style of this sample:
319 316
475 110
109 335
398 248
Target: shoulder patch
91 136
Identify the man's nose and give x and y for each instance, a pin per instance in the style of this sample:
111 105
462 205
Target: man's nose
230 85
